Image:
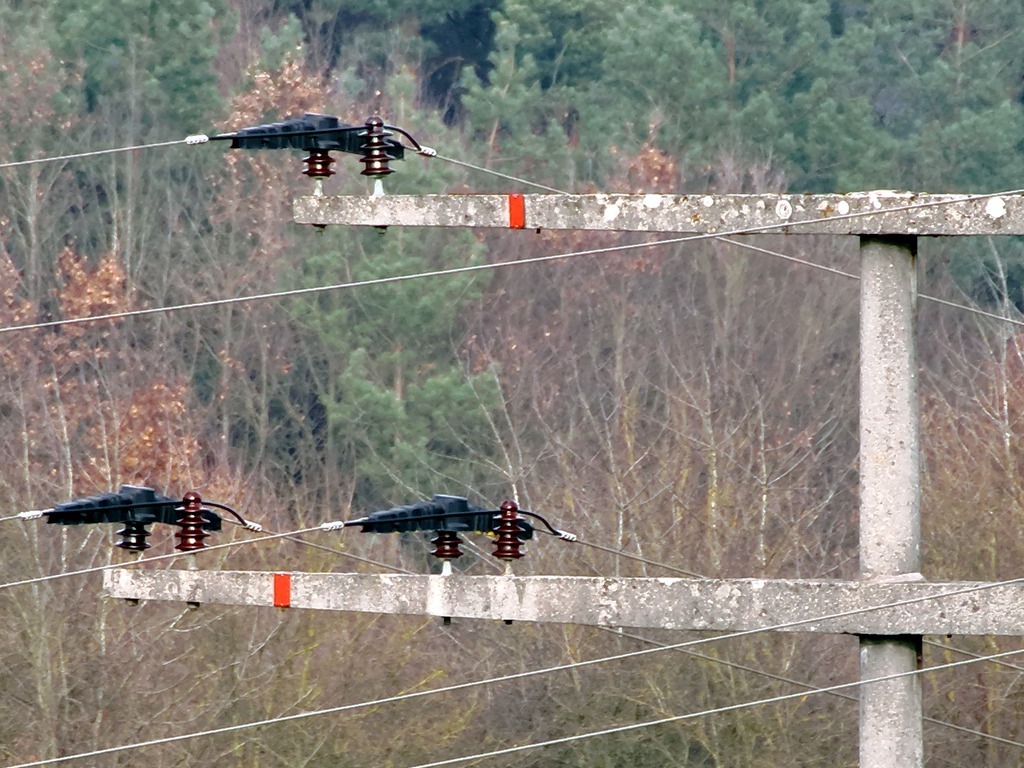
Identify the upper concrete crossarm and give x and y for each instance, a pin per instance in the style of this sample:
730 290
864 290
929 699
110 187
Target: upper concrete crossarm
856 213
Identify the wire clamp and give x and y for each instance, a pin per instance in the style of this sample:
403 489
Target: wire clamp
199 138
337 525
566 536
428 151
252 526
33 514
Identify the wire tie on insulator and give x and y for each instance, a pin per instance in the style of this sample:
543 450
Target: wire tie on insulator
199 138
337 525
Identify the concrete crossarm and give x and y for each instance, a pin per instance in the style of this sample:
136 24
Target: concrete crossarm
832 214
728 605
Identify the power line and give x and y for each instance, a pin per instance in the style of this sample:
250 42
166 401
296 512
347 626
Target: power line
506 678
190 140
494 266
719 661
333 550
707 712
841 273
112 566
349 707
339 286
499 174
751 230
570 666
638 558
816 689
964 652
34 514
705 657
769 252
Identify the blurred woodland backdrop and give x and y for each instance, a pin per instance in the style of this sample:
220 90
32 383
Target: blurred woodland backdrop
694 403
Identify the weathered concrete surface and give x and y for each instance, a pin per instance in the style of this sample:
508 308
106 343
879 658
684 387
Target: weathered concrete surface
891 723
891 726
890 528
711 604
856 213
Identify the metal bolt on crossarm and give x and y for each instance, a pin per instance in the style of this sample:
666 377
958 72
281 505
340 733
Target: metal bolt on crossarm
508 545
191 535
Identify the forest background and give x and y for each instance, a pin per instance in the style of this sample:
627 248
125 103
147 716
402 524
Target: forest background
694 404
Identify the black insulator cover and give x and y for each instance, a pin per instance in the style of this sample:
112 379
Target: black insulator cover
295 133
131 503
441 513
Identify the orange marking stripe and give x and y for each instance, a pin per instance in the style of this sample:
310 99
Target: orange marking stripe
516 211
282 590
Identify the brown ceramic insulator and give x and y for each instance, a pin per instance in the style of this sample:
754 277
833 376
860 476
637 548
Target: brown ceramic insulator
375 157
318 164
191 535
133 536
509 545
446 545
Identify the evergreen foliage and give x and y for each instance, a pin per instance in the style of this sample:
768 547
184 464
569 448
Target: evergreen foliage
695 404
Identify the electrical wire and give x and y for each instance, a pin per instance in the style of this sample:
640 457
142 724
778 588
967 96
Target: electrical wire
292 535
470 268
34 514
190 140
347 707
712 659
156 558
816 689
638 558
964 652
506 678
707 712
841 273
333 550
547 528
705 657
547 670
499 174
337 286
771 227
767 251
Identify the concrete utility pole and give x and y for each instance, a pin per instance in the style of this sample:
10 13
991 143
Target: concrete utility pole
890 638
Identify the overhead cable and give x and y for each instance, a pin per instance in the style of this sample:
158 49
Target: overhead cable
707 712
578 665
156 558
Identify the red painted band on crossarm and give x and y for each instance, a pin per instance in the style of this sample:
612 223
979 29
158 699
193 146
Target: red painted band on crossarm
282 590
516 211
